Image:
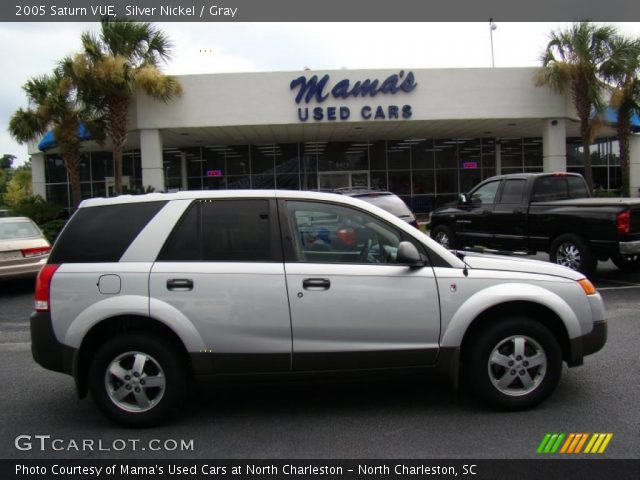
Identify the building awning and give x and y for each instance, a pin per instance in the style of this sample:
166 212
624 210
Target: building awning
610 115
48 141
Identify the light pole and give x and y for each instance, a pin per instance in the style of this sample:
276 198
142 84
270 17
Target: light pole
492 27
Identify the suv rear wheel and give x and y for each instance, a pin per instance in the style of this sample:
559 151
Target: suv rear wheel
514 364
138 380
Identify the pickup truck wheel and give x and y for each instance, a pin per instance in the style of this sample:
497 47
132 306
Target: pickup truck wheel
627 263
574 252
514 364
445 236
137 380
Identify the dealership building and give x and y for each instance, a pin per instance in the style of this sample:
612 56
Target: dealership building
424 134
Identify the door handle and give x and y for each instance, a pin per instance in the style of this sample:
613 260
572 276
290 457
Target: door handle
316 284
180 284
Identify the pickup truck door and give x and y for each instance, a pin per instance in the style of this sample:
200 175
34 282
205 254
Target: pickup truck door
352 306
475 222
510 215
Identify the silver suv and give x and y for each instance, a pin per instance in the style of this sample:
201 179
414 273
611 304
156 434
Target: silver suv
141 295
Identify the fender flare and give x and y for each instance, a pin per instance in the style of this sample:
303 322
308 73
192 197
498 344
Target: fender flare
496 295
138 305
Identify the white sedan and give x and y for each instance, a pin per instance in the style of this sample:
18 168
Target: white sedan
23 248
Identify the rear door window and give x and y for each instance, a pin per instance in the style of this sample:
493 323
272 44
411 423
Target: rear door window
550 188
224 231
513 191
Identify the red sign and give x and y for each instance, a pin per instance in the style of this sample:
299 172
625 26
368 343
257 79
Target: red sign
470 165
214 173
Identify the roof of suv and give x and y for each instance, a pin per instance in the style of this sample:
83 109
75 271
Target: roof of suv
195 194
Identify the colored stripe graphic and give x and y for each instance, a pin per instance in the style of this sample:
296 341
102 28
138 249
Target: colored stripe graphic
598 443
581 443
551 442
573 443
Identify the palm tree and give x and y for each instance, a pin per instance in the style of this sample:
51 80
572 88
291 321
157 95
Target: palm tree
572 63
621 72
53 106
122 59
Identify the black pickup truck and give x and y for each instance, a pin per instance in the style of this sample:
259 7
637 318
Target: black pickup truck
543 212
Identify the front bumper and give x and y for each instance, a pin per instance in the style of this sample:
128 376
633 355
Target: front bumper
629 248
588 343
45 347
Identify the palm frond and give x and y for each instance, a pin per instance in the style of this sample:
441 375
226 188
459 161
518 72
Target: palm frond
26 125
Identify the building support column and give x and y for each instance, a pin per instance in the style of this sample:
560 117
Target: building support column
151 153
554 146
634 165
38 178
183 171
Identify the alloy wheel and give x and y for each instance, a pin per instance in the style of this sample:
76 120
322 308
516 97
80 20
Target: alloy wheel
517 365
135 382
569 256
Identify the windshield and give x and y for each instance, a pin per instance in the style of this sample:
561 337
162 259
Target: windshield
390 203
18 229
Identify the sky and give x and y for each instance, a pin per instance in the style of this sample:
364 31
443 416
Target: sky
30 49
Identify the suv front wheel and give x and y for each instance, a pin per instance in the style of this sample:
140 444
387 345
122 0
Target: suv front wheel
514 364
138 380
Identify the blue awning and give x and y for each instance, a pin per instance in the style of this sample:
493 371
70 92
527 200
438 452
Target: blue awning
610 115
48 141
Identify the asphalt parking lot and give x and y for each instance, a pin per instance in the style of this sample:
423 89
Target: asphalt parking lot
412 417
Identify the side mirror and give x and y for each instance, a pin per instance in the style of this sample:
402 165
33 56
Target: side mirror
408 255
462 198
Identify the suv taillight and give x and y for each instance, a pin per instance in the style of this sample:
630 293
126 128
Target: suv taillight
623 223
43 283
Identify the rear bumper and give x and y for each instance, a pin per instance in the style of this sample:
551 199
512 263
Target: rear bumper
588 343
629 248
45 347
30 269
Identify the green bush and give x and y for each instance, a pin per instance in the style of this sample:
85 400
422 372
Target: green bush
37 209
48 216
52 228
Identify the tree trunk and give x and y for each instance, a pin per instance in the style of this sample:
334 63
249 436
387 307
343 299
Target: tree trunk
118 113
624 131
71 163
585 133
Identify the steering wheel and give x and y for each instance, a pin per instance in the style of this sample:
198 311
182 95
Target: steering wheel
364 253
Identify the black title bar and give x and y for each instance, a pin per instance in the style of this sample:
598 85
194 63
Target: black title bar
321 469
319 11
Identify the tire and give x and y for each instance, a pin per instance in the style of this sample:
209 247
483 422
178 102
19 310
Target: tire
445 236
574 252
498 378
159 363
627 263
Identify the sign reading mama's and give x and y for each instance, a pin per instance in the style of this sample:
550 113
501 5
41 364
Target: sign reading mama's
316 90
